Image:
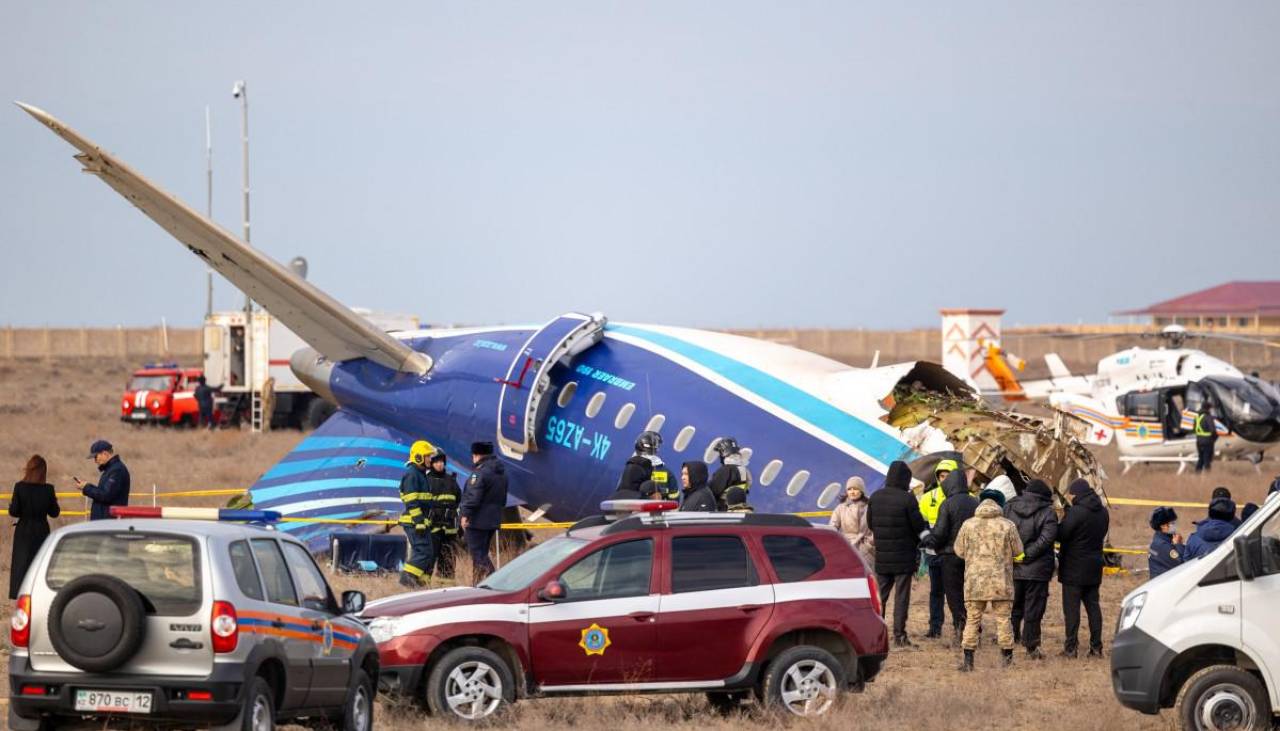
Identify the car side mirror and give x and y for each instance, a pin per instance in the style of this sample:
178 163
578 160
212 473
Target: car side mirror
1246 566
352 602
554 591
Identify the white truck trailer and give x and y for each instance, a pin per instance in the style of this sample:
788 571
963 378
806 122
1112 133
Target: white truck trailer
239 361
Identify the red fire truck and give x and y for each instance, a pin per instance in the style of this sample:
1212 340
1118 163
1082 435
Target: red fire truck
161 393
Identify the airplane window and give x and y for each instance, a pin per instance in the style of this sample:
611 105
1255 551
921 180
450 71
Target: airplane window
566 393
770 472
624 416
829 495
710 454
655 423
683 438
595 404
797 482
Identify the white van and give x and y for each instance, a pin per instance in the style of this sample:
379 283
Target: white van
1205 637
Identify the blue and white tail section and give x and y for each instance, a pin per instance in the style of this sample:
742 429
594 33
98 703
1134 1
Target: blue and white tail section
348 469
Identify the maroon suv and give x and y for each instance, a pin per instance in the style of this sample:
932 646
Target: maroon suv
728 604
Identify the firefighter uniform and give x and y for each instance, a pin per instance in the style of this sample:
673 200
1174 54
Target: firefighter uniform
731 484
667 485
443 515
415 493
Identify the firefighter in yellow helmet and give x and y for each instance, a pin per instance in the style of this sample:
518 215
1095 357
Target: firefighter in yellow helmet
930 503
415 493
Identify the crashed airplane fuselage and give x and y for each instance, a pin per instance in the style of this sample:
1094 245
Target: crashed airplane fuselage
565 401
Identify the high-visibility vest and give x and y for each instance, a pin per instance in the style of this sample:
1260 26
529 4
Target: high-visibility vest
931 503
1201 431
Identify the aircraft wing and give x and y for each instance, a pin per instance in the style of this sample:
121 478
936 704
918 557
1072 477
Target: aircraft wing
323 322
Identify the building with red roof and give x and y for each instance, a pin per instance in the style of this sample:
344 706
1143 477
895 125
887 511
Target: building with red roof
1235 305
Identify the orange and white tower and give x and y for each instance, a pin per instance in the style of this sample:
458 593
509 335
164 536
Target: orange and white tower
965 335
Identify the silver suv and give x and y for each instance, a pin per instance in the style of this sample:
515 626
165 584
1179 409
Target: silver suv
185 623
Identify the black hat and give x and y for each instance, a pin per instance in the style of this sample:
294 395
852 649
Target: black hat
1220 492
1247 511
482 449
1079 487
899 475
1222 509
437 456
1161 516
993 495
1040 487
101 445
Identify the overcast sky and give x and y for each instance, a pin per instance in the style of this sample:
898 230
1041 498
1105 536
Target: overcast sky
721 164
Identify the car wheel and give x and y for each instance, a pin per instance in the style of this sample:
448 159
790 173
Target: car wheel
259 713
726 703
1222 697
470 684
97 623
357 714
804 681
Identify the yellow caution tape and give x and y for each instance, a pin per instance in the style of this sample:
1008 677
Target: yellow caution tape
1153 503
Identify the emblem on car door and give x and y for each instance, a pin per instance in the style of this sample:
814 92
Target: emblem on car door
595 640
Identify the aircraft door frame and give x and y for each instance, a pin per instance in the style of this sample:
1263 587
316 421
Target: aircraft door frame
528 377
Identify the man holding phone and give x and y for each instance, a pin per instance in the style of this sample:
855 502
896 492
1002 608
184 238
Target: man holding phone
112 487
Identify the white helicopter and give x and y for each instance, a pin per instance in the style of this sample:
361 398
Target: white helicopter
1146 399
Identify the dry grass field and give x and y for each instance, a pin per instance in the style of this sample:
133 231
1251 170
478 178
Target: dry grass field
57 408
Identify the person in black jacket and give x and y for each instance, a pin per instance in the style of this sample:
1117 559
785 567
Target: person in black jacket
1082 534
34 501
896 522
1032 513
204 401
442 519
113 485
957 507
482 504
639 467
697 494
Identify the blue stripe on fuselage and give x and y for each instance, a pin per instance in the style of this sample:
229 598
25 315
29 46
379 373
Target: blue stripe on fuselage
840 424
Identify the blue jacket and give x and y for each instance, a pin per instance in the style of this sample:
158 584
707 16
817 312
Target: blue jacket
485 495
1208 536
112 489
1164 554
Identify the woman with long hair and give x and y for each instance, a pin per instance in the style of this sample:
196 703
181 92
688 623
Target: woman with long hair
33 503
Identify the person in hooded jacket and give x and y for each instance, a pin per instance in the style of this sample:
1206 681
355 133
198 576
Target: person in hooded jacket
931 502
898 528
850 518
1082 535
1032 513
1167 551
697 495
988 542
958 507
1209 534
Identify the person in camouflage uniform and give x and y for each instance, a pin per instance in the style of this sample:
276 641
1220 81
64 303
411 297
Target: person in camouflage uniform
988 543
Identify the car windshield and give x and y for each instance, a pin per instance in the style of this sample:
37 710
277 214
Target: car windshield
150 383
532 563
163 568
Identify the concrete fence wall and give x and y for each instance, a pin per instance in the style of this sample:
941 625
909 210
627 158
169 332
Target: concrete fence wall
122 342
855 347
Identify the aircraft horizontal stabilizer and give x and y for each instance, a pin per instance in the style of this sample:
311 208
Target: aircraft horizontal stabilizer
323 322
1057 369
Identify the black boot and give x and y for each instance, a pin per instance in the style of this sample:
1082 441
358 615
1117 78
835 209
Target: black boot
1007 657
1034 653
1069 652
1095 651
966 664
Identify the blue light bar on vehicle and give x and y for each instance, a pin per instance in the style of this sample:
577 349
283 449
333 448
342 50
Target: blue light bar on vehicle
230 515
